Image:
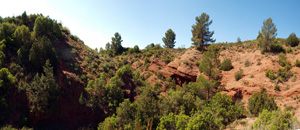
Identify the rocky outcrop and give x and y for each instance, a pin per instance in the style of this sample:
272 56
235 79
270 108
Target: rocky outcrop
183 69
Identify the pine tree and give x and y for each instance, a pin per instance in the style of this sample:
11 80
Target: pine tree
169 39
43 92
267 35
200 31
116 44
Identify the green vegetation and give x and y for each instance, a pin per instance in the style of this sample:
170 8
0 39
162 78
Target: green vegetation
210 63
260 101
42 51
169 39
276 120
271 74
43 92
7 80
283 61
297 63
292 40
49 78
239 74
115 47
266 35
200 31
226 65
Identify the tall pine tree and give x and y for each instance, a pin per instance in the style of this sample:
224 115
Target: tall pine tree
267 35
116 44
200 31
169 39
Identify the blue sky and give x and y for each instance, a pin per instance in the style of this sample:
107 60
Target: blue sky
141 22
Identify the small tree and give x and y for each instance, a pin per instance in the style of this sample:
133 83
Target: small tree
24 18
23 37
169 39
43 92
116 44
206 84
267 34
292 40
200 31
210 62
239 41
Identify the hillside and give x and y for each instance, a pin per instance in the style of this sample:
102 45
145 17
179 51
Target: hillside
49 79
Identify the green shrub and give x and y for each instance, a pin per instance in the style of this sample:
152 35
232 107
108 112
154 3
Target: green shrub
119 64
83 77
292 40
159 75
276 87
238 75
226 65
82 99
289 50
260 101
167 60
247 63
271 74
283 60
277 48
198 63
146 60
284 74
124 71
297 63
275 120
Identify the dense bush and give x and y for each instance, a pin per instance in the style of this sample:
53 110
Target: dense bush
226 65
283 61
292 40
217 114
105 95
289 50
146 60
48 27
285 74
247 63
277 48
271 74
297 63
260 101
43 92
42 51
6 36
210 62
238 75
125 71
7 81
275 120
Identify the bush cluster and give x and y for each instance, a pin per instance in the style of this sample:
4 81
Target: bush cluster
297 63
260 101
277 48
226 65
275 120
271 74
238 75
